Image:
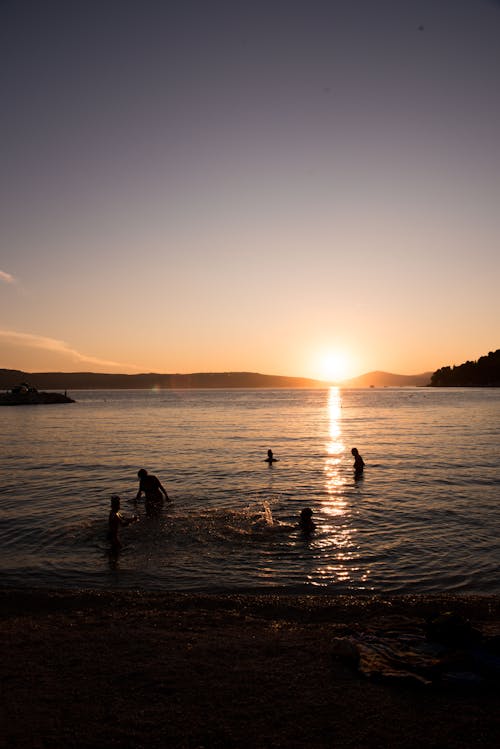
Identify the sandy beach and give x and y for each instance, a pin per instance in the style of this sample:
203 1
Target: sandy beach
132 669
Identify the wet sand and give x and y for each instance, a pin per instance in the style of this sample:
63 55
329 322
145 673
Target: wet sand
132 669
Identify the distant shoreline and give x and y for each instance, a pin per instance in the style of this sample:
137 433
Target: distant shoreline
216 380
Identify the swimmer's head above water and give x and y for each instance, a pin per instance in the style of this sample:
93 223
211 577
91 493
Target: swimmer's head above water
306 522
270 458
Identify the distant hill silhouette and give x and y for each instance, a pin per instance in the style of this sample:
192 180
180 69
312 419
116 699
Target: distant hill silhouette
386 379
94 381
485 372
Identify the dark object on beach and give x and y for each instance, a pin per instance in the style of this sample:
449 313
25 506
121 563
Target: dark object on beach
27 395
451 629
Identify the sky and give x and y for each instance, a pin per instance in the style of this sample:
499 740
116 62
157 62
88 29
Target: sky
297 187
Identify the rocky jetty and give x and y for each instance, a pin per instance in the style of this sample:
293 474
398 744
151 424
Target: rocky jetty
27 395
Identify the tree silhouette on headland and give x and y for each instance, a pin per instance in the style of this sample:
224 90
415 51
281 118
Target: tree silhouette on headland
485 372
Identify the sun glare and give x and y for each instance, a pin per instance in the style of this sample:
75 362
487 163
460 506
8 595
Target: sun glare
333 366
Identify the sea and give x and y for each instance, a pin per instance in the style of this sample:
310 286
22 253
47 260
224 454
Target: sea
423 518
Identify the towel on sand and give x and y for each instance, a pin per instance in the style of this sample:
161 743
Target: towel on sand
446 650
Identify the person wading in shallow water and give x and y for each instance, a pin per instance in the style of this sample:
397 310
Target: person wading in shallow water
153 491
359 463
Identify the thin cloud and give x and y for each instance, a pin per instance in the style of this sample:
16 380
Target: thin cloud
58 347
6 277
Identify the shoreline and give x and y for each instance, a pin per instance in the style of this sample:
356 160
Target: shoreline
127 668
40 598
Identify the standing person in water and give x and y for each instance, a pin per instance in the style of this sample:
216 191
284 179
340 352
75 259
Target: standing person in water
153 490
270 458
116 519
359 463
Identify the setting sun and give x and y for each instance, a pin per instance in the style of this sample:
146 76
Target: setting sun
333 366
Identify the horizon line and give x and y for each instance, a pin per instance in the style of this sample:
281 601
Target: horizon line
374 372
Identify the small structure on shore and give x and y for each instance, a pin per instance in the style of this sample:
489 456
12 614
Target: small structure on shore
27 395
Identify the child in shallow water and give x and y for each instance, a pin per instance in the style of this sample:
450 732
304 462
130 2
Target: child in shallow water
306 523
116 519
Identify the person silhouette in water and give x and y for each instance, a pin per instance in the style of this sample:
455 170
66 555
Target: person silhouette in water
306 523
153 491
116 519
359 463
270 458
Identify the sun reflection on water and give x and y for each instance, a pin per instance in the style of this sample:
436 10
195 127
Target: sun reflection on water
337 532
336 504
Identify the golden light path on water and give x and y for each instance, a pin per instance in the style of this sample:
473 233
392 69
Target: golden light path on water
337 535
335 448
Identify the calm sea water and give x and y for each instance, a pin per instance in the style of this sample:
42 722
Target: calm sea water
424 518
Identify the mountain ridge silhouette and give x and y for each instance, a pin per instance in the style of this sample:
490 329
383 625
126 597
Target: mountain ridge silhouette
96 381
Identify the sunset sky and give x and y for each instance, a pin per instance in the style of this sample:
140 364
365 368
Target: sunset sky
308 188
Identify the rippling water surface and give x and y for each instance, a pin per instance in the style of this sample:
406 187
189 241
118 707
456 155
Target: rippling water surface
423 518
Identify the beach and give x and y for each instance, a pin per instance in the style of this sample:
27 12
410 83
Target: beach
145 669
